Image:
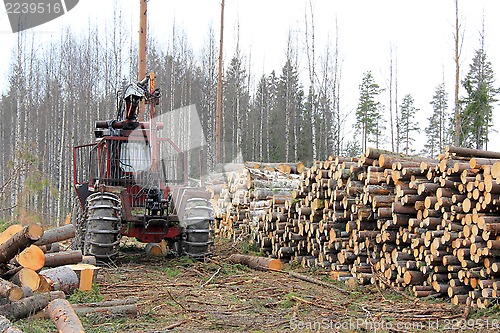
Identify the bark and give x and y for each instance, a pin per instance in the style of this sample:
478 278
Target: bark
59 278
28 306
125 310
64 317
57 234
19 241
470 152
256 262
63 258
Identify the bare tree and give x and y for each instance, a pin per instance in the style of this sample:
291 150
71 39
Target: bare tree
311 62
458 39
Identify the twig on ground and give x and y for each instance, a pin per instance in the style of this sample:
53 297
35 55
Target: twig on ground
173 299
211 278
318 282
169 327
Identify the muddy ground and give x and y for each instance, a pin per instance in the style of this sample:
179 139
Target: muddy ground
182 295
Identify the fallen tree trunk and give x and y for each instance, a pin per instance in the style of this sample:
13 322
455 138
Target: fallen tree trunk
19 241
256 262
10 291
64 317
125 310
57 234
104 304
27 306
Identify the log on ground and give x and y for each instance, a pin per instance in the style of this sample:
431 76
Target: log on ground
256 262
64 316
28 306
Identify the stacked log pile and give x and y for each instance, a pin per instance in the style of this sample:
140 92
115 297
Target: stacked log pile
250 195
397 221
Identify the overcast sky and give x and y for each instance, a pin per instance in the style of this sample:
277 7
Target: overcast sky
420 32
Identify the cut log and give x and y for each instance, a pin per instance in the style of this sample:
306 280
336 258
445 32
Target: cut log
470 152
86 274
19 241
31 257
27 306
10 291
256 262
27 278
57 234
63 258
64 317
7 327
59 278
153 249
9 232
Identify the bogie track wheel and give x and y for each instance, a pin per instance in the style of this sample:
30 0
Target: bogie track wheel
103 223
198 222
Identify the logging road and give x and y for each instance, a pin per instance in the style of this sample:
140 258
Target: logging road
185 296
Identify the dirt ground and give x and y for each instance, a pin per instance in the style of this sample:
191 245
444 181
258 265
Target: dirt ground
182 295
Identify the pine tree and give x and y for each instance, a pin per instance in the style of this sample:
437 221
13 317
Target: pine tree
437 131
368 114
235 107
408 123
290 105
476 115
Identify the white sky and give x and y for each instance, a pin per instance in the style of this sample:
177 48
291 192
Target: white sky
420 32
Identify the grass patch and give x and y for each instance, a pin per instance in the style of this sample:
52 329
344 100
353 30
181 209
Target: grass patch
91 296
288 302
35 325
250 249
171 271
492 311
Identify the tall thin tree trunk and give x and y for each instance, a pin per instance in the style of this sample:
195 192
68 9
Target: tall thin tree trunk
457 76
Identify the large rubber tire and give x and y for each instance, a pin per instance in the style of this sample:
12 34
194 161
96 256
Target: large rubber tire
198 224
103 223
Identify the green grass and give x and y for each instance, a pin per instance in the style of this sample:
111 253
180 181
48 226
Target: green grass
492 311
250 248
288 301
35 325
91 296
171 271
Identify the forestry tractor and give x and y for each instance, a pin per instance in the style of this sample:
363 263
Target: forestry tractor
133 182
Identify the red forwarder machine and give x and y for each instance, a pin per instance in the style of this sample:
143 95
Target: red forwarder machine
132 182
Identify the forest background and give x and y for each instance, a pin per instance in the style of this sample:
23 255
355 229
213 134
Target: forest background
302 80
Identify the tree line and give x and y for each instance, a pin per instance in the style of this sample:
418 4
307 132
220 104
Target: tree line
57 90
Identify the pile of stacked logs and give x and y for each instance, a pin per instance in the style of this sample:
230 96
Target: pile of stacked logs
397 221
37 272
247 195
